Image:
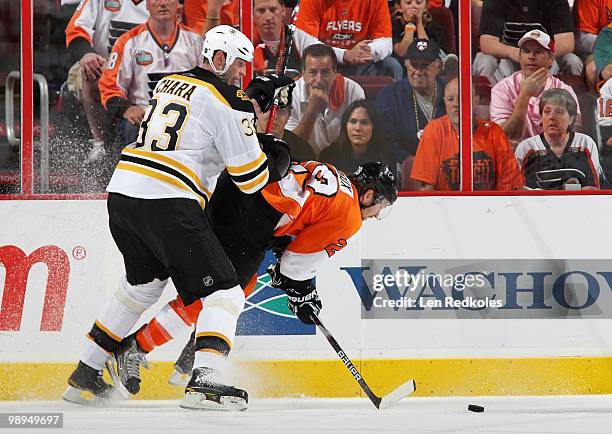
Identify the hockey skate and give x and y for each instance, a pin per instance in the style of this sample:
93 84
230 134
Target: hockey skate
87 387
205 393
124 366
184 364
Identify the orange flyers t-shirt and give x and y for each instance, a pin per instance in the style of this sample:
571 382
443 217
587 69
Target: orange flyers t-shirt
343 23
195 12
592 15
437 158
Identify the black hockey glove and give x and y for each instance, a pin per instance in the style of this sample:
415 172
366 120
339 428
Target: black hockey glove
302 296
263 89
279 157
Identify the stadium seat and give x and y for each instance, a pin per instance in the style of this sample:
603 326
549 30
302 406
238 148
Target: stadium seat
576 82
372 84
444 17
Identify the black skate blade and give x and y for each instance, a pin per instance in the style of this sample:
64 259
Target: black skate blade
82 397
202 401
111 367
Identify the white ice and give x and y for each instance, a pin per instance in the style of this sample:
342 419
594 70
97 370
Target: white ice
555 414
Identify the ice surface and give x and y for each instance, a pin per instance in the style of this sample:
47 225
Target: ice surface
556 414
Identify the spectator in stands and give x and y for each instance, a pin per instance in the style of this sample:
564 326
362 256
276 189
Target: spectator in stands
602 54
592 16
413 20
203 15
320 98
437 164
407 106
504 21
559 156
271 48
359 32
299 148
90 35
515 99
140 58
361 139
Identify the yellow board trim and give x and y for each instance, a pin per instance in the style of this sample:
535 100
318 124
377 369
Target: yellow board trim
166 178
209 86
170 162
285 378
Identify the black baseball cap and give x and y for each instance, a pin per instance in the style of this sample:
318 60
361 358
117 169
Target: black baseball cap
426 49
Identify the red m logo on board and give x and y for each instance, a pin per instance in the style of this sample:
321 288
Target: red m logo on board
17 265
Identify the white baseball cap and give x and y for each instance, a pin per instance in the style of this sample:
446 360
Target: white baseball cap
540 37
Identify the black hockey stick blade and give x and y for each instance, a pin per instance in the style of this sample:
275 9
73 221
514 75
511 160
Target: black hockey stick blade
381 403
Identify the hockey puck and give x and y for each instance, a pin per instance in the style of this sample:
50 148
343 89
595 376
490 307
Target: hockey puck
475 408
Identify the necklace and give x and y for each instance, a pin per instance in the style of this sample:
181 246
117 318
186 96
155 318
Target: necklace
416 112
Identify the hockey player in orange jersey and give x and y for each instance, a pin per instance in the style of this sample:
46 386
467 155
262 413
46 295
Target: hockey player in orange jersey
315 206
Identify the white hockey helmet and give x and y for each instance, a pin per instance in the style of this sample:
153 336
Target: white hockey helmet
229 40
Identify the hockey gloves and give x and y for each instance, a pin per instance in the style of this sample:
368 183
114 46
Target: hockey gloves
302 296
263 89
277 152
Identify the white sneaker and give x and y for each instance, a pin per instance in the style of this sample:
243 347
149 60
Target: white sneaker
96 153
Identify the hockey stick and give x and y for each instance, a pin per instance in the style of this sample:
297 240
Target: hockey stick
288 47
380 402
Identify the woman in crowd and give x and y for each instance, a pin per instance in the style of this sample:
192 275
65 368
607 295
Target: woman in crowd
559 158
361 139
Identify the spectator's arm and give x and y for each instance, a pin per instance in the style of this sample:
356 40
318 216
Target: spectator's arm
606 73
381 48
564 43
213 15
306 125
513 126
427 159
380 32
116 79
80 30
490 45
508 176
388 114
303 40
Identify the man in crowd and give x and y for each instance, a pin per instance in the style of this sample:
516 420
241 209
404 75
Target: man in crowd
515 100
437 164
90 36
359 32
320 98
502 24
407 106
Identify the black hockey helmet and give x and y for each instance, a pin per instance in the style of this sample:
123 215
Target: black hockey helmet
377 176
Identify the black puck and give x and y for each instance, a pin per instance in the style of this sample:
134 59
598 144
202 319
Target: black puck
475 408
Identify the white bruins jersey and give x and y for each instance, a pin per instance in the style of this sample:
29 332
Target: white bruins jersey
139 60
101 22
195 126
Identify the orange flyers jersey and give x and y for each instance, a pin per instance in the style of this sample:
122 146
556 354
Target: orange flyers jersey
321 211
343 23
139 60
101 22
196 11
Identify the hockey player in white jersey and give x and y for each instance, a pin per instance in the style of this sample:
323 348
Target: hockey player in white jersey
195 126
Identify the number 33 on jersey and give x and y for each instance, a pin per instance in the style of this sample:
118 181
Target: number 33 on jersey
195 126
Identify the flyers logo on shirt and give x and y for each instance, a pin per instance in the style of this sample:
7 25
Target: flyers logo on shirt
112 5
143 57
